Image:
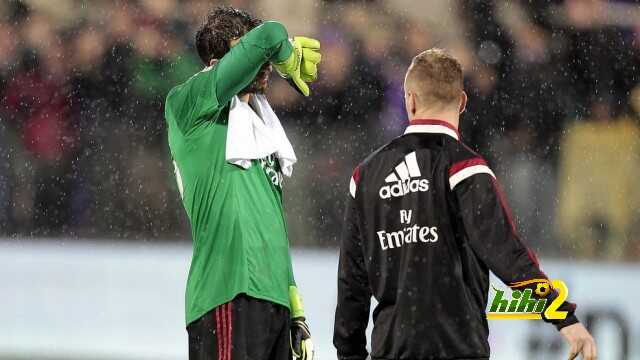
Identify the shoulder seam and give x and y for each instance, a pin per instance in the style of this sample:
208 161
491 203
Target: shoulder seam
464 169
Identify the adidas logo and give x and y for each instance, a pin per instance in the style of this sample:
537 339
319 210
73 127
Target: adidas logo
405 179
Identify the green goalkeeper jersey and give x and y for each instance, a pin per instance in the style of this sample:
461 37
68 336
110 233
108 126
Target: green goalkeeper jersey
238 227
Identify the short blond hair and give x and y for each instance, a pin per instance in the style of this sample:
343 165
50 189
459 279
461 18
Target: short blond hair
436 78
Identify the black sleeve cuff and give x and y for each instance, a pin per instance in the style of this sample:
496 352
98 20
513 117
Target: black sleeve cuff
570 320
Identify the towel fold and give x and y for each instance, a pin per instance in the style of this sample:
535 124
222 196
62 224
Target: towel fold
255 133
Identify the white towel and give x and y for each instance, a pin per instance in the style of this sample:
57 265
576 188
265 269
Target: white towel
257 134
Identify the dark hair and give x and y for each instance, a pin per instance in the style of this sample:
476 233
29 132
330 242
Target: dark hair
223 24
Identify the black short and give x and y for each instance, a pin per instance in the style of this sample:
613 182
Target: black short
245 328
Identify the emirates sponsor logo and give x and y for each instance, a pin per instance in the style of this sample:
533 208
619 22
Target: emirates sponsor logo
408 235
271 167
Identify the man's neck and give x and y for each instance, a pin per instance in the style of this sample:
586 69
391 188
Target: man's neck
245 97
452 118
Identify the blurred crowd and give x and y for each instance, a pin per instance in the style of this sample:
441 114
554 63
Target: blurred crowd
554 106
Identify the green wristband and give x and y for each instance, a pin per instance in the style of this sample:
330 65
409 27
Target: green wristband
297 308
290 65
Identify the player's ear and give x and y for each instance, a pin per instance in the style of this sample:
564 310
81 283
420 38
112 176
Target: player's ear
414 103
463 102
212 62
410 103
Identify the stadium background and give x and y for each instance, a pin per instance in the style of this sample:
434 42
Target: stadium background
87 189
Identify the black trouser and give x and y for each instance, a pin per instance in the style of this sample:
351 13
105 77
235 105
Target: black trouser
245 328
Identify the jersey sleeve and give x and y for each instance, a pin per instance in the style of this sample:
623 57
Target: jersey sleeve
292 278
194 101
491 231
354 294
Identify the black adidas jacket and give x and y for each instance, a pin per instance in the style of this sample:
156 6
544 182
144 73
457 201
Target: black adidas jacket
425 222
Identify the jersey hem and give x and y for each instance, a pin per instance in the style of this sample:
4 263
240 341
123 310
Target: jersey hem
227 299
444 358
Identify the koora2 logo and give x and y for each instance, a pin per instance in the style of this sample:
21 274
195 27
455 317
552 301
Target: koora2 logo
524 305
404 179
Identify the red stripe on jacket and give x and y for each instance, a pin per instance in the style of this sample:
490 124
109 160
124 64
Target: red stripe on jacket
461 165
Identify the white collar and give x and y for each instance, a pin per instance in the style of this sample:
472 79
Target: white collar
432 126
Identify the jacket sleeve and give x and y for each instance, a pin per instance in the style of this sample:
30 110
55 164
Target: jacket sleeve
192 102
491 231
354 294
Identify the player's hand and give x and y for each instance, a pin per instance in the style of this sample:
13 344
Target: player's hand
301 344
302 65
310 58
580 341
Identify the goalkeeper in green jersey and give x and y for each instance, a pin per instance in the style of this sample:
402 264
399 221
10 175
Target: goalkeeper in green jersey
230 154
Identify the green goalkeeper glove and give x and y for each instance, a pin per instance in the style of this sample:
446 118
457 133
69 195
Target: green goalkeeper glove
301 344
302 65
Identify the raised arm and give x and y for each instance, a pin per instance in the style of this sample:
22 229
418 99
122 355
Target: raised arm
194 101
268 42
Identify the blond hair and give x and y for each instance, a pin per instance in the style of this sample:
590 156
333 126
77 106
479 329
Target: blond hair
436 79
